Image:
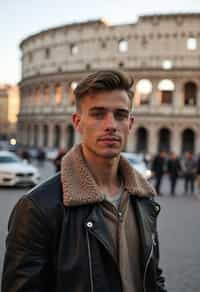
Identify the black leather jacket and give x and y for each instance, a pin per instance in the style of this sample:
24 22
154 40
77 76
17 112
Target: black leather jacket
52 248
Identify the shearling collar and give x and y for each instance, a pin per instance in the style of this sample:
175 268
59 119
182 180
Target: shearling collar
79 186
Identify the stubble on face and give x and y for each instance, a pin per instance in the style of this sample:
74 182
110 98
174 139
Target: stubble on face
104 123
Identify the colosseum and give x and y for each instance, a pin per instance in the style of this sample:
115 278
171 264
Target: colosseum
161 52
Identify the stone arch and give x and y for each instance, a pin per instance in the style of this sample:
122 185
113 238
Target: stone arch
70 136
70 92
141 140
188 140
28 135
190 93
143 91
58 93
166 88
35 135
164 140
123 45
45 135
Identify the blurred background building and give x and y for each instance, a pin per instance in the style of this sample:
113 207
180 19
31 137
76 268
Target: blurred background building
161 52
9 108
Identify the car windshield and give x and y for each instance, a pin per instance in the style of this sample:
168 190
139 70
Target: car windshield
134 161
9 159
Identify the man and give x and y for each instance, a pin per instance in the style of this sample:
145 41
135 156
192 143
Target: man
198 174
173 169
158 168
92 227
189 166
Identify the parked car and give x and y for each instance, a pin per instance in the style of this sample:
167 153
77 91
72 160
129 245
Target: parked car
51 153
15 171
136 160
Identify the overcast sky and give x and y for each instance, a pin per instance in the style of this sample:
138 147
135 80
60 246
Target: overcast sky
20 18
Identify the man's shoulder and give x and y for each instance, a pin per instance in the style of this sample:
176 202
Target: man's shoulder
48 194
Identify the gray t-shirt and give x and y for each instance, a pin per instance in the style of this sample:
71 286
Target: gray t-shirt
115 200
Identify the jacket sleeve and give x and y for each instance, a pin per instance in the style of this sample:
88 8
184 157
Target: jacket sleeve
26 257
160 280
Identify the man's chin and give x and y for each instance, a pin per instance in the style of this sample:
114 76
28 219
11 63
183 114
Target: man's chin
110 154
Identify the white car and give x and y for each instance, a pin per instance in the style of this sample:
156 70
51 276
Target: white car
15 171
136 160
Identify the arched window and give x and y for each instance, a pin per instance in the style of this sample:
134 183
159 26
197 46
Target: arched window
188 141
70 92
58 94
37 95
142 140
74 49
143 91
190 94
166 88
191 43
123 46
164 140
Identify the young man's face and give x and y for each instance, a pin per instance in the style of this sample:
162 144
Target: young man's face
104 122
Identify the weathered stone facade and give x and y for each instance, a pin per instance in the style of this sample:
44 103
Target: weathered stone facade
161 52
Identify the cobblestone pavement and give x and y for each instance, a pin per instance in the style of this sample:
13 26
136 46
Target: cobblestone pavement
179 230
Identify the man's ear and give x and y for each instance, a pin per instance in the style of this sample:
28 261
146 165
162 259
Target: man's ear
76 119
131 121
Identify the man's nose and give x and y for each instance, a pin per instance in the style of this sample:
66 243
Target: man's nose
110 122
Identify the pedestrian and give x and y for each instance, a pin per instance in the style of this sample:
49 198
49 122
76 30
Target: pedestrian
158 169
92 227
57 161
173 170
198 174
189 167
25 155
41 156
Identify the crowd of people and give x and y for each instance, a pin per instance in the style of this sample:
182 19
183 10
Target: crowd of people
186 167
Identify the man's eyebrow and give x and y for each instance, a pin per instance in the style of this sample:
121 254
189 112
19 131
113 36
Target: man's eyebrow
101 108
97 108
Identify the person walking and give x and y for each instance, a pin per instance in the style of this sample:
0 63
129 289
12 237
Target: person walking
198 174
57 161
92 227
189 166
173 170
158 168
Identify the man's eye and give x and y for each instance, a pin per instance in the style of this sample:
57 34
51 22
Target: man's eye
98 115
121 116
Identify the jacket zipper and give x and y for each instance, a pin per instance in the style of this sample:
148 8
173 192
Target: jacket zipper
90 262
147 262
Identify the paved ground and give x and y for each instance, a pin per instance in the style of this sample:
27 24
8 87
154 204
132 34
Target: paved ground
178 227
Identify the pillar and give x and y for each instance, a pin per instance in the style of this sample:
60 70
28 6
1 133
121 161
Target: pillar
64 99
51 135
40 136
153 141
176 140
154 95
177 97
63 138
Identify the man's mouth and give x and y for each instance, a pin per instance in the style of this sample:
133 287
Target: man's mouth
109 139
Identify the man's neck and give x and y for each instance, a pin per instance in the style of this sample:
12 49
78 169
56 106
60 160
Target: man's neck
104 171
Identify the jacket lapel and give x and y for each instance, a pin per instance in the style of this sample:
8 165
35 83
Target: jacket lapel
96 225
146 213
